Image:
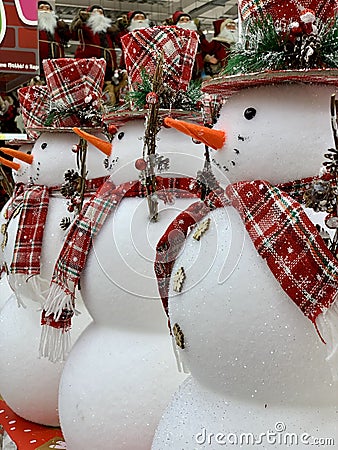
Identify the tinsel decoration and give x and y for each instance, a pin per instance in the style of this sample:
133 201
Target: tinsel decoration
271 46
74 187
168 98
323 194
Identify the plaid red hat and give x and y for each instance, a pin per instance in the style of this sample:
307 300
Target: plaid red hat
301 50
132 14
91 8
35 105
178 14
142 49
73 86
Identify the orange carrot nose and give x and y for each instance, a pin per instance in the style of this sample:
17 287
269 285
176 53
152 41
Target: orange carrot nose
11 164
212 138
17 154
104 146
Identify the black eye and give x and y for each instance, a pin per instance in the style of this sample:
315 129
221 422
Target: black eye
29 152
120 135
44 145
250 113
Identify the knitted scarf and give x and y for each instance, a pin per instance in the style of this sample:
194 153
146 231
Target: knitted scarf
285 238
60 304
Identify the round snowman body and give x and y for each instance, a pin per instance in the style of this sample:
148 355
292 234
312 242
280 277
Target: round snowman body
20 328
251 352
113 397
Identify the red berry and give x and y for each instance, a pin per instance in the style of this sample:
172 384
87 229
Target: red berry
152 98
112 129
140 164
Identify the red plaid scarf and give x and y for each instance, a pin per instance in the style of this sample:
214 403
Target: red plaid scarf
170 244
282 234
32 201
60 304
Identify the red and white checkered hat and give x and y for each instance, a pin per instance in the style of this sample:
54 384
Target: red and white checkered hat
142 49
72 86
290 23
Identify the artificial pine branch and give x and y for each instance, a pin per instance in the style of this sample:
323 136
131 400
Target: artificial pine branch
269 48
168 98
263 49
329 47
138 97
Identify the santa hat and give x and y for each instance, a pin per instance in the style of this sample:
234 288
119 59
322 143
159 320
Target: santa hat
220 24
74 86
91 8
178 14
45 3
217 26
132 14
305 54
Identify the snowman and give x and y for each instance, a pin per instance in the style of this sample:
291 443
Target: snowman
254 318
54 153
121 372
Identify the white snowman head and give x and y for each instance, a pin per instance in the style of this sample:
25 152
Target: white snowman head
54 153
278 133
177 155
21 160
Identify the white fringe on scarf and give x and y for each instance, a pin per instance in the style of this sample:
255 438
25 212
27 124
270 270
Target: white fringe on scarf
327 324
181 364
34 283
55 344
57 301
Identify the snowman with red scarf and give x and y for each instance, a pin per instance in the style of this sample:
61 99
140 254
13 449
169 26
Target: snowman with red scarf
252 296
121 372
36 210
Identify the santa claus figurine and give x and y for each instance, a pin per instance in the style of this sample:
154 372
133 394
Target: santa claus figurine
226 35
96 35
137 20
54 34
